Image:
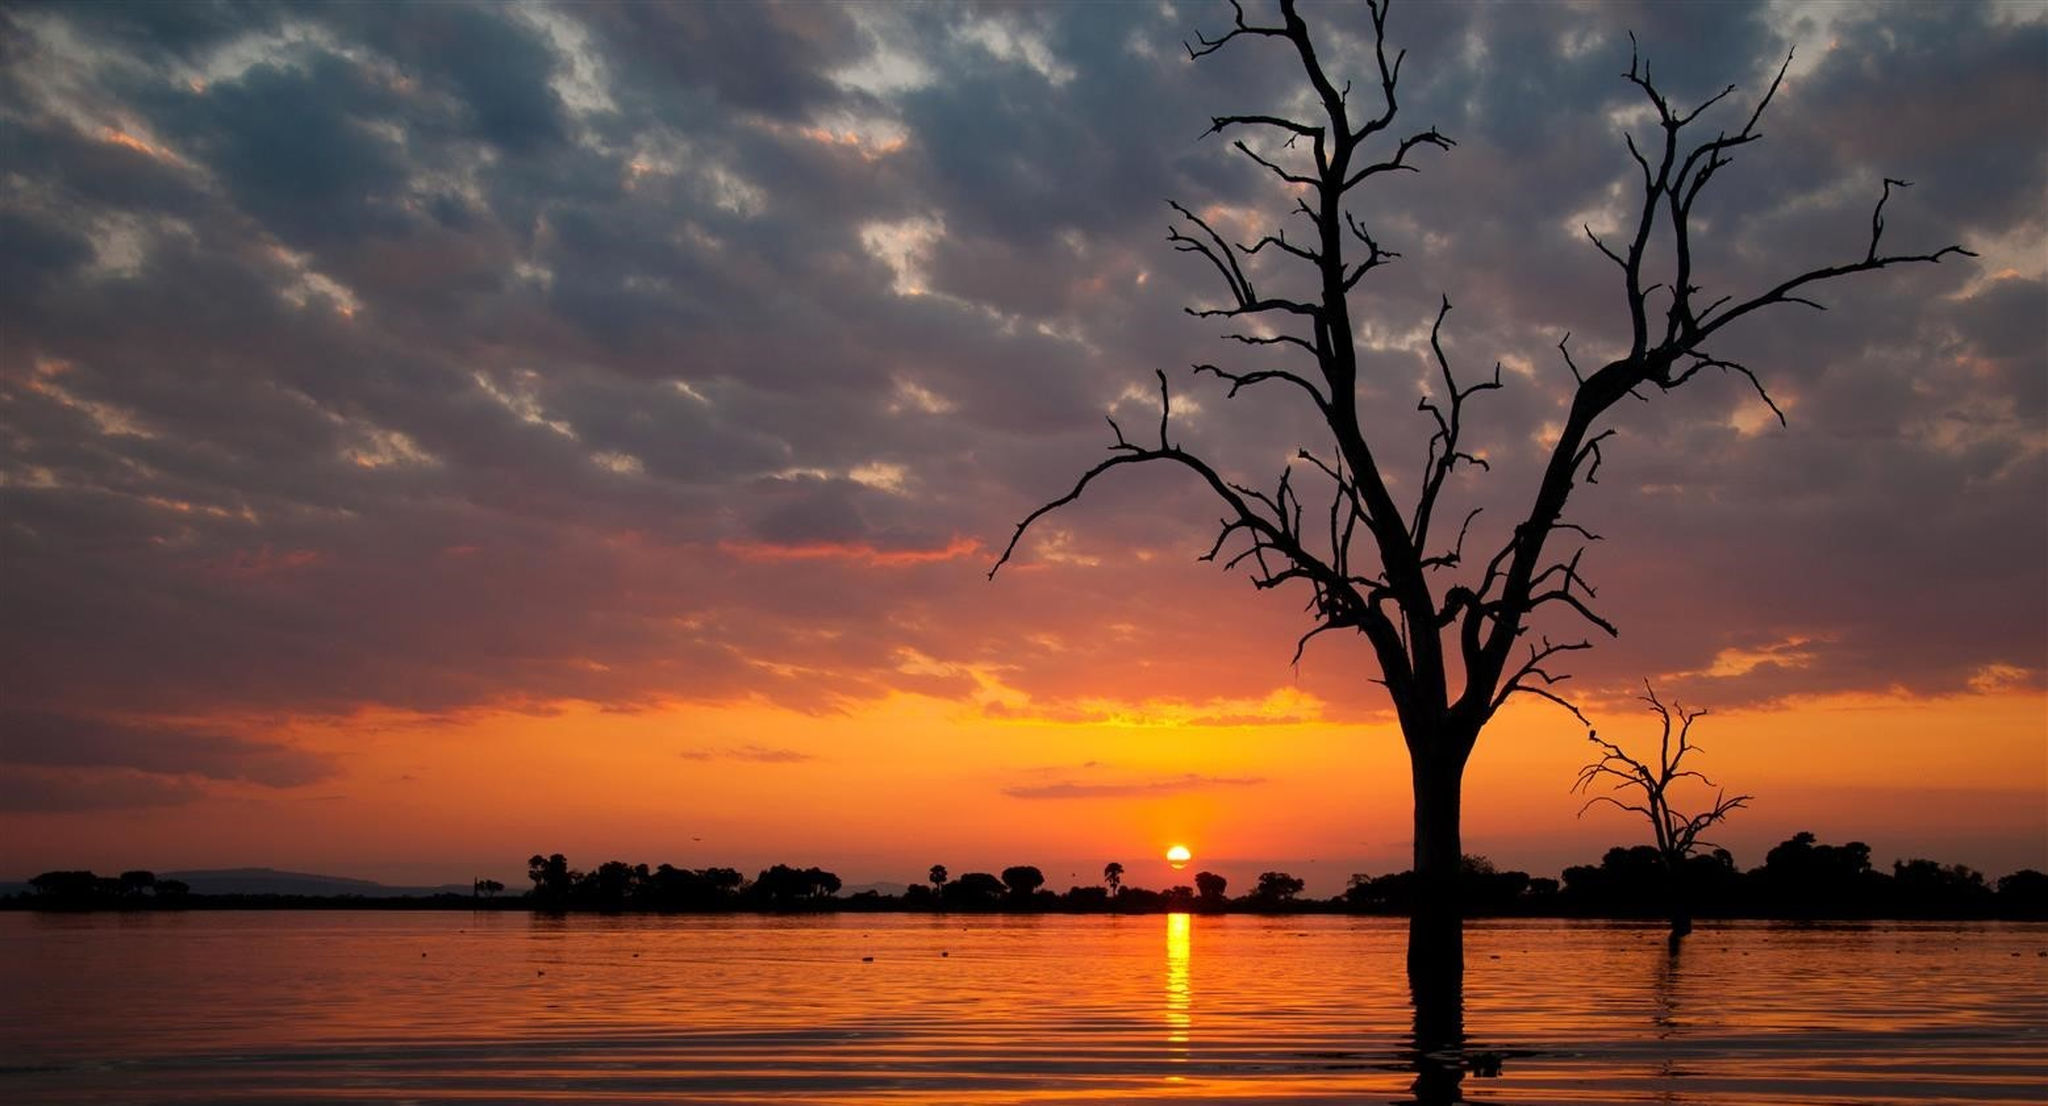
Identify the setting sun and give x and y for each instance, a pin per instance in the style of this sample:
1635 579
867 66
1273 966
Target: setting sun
1178 856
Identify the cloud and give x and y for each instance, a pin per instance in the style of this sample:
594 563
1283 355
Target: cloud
1282 706
756 754
1171 785
37 790
861 552
47 739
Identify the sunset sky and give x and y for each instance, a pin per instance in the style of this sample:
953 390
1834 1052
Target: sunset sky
434 434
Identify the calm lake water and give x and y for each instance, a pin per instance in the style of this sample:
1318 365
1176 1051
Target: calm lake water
415 1007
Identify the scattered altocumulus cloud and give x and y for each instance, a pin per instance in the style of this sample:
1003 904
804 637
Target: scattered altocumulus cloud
649 354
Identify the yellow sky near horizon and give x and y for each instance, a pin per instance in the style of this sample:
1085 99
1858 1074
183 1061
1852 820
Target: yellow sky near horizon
883 790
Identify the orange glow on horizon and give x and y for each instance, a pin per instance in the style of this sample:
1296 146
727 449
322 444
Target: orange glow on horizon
890 787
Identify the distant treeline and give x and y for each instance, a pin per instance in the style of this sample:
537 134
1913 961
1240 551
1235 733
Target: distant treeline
1800 878
142 890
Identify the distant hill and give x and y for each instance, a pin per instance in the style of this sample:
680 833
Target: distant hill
270 881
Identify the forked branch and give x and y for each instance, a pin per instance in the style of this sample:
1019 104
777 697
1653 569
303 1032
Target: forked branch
1674 172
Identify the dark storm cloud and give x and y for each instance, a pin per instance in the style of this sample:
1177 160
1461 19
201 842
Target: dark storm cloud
497 68
1003 153
292 146
773 58
152 31
1960 121
37 255
472 354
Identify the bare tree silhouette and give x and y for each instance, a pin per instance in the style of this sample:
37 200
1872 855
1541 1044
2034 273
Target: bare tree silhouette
1648 790
1451 636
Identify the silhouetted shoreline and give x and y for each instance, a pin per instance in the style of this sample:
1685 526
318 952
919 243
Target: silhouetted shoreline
893 904
1800 879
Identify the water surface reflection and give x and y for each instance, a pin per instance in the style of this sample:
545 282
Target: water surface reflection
924 1011
1179 997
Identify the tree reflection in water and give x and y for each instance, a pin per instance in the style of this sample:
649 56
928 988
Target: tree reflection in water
1664 991
1436 986
1664 1014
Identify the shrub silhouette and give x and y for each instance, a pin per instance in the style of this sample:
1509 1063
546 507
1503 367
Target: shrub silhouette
974 890
1022 880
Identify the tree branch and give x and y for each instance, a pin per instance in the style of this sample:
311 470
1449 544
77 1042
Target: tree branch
1210 46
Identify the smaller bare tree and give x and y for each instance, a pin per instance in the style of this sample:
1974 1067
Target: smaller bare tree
1648 788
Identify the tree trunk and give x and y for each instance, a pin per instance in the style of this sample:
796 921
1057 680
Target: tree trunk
1681 915
1677 903
1439 849
1436 937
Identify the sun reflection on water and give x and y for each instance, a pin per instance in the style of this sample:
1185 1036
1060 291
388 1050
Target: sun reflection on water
1179 997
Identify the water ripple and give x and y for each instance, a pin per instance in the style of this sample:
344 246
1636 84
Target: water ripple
305 1008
